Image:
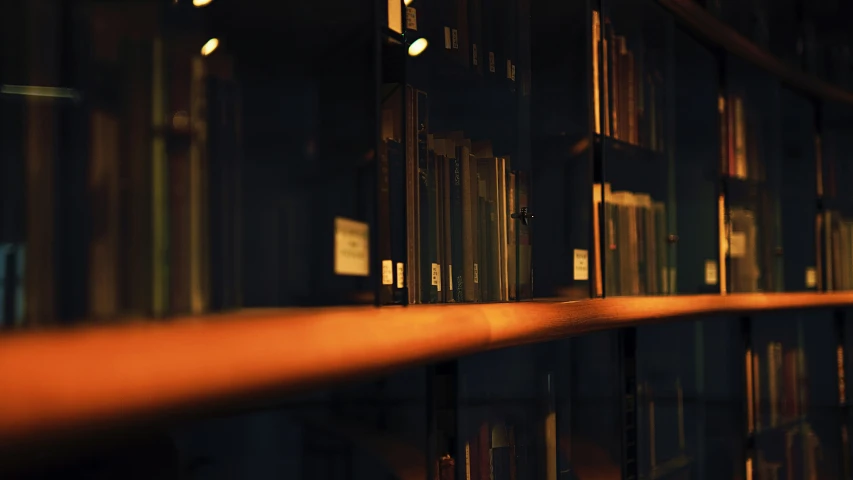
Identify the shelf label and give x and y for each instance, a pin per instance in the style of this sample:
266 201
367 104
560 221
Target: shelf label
411 19
476 274
401 279
387 272
811 277
454 36
737 245
436 276
513 73
352 247
581 264
492 62
710 272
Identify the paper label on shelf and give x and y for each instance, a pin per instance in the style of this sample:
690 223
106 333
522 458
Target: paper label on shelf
581 264
513 73
811 277
710 272
450 277
411 19
352 247
401 278
387 272
436 276
454 38
447 38
492 62
737 245
476 274
474 55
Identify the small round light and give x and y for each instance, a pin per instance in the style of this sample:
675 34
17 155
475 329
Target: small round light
407 2
417 47
201 3
209 47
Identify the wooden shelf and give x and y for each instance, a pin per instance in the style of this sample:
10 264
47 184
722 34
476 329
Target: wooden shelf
708 27
57 382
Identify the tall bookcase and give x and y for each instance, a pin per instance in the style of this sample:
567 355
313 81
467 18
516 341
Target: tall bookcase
163 159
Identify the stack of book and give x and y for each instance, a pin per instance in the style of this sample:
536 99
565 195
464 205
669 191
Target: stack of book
462 242
628 91
631 229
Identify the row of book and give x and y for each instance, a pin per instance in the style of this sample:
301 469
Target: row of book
788 443
840 251
631 229
739 141
464 239
477 34
166 215
787 392
628 91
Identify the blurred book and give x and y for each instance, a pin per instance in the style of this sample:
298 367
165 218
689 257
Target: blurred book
634 243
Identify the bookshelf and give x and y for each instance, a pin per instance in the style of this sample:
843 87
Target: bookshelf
670 149
688 156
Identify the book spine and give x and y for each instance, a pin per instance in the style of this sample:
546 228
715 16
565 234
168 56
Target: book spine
458 274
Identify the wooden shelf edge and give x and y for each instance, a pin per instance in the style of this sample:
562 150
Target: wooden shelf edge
56 382
713 30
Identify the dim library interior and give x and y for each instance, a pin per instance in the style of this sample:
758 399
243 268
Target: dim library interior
632 213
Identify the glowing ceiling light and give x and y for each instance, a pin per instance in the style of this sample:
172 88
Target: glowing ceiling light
201 3
417 47
210 46
407 2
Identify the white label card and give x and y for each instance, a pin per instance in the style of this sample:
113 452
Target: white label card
352 247
411 18
436 276
476 274
737 245
454 36
492 62
387 272
447 44
581 265
401 277
710 272
811 277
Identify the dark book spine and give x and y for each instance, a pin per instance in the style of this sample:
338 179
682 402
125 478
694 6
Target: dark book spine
224 194
430 229
383 241
397 196
483 217
427 287
457 259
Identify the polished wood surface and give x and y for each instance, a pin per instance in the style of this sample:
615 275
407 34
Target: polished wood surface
56 382
708 27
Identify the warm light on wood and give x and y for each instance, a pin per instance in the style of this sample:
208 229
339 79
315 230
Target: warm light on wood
56 381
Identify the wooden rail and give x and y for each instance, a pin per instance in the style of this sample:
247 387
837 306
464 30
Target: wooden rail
714 31
55 383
